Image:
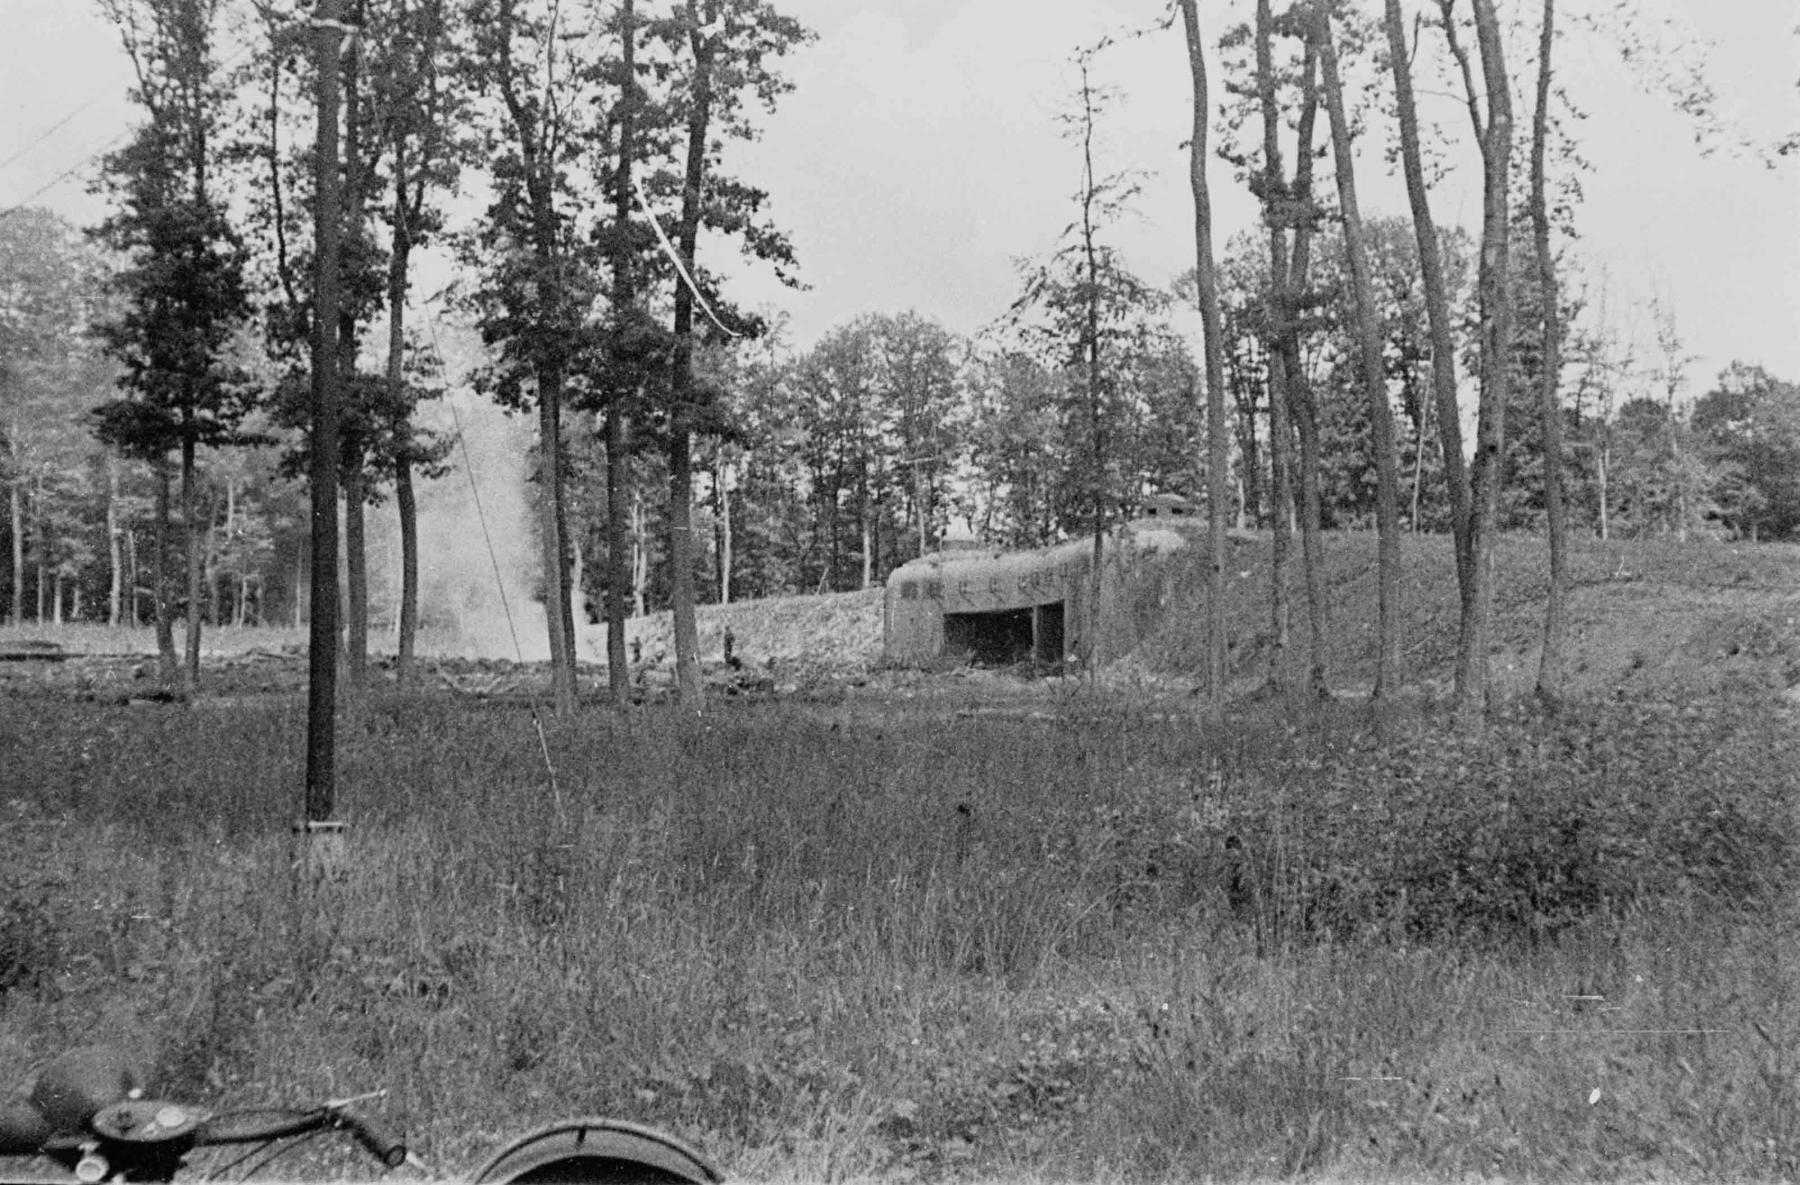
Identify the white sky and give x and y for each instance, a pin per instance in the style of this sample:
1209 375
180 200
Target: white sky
919 157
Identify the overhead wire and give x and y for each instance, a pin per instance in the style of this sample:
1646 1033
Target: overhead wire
487 539
51 130
92 155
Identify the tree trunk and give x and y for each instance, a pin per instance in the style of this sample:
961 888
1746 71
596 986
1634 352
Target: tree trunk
1374 375
40 507
557 602
406 504
1280 429
1437 302
322 639
1496 338
1303 404
1091 349
1556 614
1217 464
619 500
405 501
691 688
115 592
16 503
640 554
133 615
721 481
1605 457
356 573
867 527
354 438
195 585
168 665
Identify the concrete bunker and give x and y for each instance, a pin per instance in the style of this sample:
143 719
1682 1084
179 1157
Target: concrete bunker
969 603
1007 637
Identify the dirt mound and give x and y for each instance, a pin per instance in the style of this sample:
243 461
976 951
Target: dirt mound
1656 617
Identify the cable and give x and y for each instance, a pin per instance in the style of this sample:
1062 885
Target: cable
64 175
675 258
90 157
487 539
52 129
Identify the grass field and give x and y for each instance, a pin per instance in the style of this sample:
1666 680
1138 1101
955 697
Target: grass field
899 938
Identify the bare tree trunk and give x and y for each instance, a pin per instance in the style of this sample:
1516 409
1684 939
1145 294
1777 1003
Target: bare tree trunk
168 665
1437 301
354 440
721 483
115 593
405 501
192 534
867 527
356 573
558 612
16 503
619 498
691 689
1496 338
322 639
1280 429
640 555
1302 402
39 508
132 612
1556 612
1605 458
1207 286
1374 374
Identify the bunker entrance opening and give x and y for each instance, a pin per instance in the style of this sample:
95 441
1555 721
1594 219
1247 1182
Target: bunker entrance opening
1007 637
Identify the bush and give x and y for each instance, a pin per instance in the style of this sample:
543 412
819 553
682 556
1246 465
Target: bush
1548 820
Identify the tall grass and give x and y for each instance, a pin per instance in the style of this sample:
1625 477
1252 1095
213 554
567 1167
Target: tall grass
1094 943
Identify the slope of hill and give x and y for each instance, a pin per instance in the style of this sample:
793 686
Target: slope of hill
1644 615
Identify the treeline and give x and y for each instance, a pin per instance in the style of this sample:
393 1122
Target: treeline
829 467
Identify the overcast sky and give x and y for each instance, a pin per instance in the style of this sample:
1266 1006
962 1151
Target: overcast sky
919 157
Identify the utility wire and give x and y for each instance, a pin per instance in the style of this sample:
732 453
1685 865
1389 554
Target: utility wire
90 157
79 165
487 539
52 129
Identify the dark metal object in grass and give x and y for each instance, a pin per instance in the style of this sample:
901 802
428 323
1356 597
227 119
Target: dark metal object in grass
32 650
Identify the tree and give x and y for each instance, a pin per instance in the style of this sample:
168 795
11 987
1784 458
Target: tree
1437 304
1373 368
420 112
51 287
1207 290
183 291
1556 612
540 272
1087 305
1494 133
730 52
1749 427
1015 428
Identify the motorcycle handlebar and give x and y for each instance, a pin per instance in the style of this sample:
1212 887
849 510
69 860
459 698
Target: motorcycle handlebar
377 1143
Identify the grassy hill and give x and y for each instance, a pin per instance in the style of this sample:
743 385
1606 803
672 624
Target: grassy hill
1644 615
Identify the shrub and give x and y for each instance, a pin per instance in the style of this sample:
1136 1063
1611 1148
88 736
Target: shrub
1547 820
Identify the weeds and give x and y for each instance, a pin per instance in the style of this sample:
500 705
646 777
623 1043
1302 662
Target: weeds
1097 944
